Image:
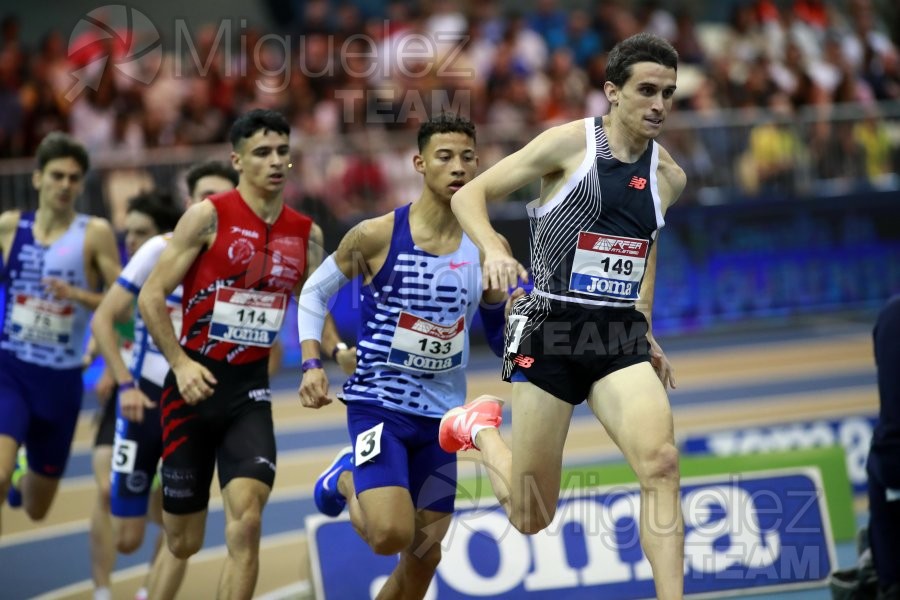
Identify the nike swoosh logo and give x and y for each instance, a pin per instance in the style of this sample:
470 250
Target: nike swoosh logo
329 478
454 266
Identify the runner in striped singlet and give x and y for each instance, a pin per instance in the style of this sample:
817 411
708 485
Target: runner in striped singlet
422 288
584 332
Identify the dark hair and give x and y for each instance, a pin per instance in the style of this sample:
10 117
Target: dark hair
60 145
446 122
159 206
217 168
248 124
641 47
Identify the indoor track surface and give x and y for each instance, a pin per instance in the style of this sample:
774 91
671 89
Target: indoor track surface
754 378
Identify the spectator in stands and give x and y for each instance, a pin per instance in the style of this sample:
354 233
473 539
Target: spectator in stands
816 52
770 164
872 137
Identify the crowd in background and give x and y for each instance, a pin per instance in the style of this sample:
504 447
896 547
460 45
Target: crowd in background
352 71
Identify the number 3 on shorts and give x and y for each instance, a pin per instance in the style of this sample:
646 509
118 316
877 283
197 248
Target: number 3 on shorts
517 323
368 445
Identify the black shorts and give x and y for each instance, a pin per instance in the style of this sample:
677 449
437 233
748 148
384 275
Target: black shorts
232 429
106 427
564 349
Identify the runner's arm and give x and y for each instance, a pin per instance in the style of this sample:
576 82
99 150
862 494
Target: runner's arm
672 181
8 222
115 303
493 309
547 153
315 324
191 235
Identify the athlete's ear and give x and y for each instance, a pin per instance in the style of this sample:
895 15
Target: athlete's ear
419 164
612 92
236 162
36 179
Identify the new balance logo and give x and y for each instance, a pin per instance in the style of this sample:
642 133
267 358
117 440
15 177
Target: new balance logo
462 425
638 183
523 361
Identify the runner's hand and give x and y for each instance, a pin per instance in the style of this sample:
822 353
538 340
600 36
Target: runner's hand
517 293
314 388
500 271
59 289
346 360
661 364
132 404
195 382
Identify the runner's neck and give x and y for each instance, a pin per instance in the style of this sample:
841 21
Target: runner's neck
50 224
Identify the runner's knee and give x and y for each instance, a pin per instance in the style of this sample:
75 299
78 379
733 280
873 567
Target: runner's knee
659 465
36 509
244 532
38 501
184 544
129 539
533 516
389 538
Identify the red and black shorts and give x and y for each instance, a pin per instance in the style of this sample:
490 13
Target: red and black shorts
232 429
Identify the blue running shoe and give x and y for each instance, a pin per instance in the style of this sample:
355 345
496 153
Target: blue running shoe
328 499
14 495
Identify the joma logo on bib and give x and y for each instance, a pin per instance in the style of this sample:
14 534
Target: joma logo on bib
244 334
609 286
429 364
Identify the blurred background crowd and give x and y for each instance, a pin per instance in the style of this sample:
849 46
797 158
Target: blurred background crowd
775 98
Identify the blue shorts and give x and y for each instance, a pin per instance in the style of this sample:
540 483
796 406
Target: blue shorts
39 408
410 456
136 451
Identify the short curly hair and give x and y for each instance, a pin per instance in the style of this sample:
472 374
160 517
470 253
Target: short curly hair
446 122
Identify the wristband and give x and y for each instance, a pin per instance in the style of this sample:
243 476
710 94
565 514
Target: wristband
337 348
128 385
311 363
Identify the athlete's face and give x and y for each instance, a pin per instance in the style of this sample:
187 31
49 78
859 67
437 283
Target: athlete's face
262 160
642 104
139 227
448 162
59 184
209 186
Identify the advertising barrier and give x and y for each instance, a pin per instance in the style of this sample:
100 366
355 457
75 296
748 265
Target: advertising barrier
853 433
744 533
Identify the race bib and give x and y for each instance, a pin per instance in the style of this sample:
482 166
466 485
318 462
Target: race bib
42 321
247 317
608 266
421 345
